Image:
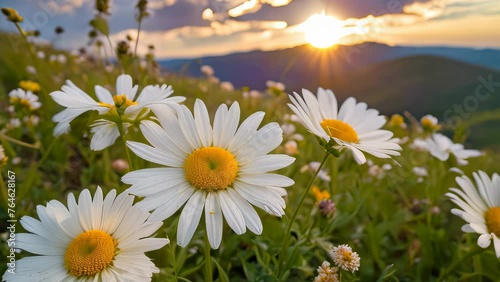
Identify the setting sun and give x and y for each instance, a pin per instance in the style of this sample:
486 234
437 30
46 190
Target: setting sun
322 31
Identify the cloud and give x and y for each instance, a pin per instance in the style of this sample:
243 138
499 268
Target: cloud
219 38
160 4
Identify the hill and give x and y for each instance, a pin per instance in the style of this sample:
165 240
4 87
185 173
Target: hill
259 66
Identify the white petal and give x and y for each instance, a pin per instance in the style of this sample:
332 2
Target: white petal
219 122
264 141
327 103
245 132
190 218
266 163
188 127
484 241
105 135
152 154
124 85
232 213
266 179
202 121
213 219
252 219
103 95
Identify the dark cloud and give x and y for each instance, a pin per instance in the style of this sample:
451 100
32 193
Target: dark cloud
182 13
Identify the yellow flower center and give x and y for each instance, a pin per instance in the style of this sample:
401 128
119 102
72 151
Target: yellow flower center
211 168
396 120
492 217
121 102
89 253
340 130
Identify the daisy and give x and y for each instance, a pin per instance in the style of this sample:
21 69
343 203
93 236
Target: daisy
442 147
221 170
90 240
24 98
345 258
124 107
430 123
480 207
353 126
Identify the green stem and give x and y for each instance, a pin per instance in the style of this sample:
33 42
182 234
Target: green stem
208 260
174 261
137 39
21 143
47 152
124 140
286 241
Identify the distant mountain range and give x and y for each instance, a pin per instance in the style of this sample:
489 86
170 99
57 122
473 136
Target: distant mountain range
394 79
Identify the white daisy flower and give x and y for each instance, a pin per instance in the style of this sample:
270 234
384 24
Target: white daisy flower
430 122
103 239
480 207
441 147
24 98
354 126
124 104
221 169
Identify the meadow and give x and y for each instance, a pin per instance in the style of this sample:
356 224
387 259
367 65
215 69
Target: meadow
390 209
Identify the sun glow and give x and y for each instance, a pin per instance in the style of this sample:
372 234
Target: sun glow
322 31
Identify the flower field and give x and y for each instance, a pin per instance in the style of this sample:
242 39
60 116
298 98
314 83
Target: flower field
113 170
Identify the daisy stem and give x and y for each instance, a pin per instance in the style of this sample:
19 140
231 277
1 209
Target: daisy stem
208 260
137 39
124 140
286 240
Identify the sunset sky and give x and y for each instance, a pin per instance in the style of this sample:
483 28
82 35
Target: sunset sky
195 28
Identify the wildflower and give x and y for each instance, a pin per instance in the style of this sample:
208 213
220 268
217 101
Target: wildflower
275 88
480 207
226 86
40 54
30 69
12 15
397 121
221 169
345 258
29 85
103 239
441 147
320 195
327 273
207 70
291 147
420 171
3 157
430 123
327 207
25 99
13 123
32 119
353 127
123 106
120 165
